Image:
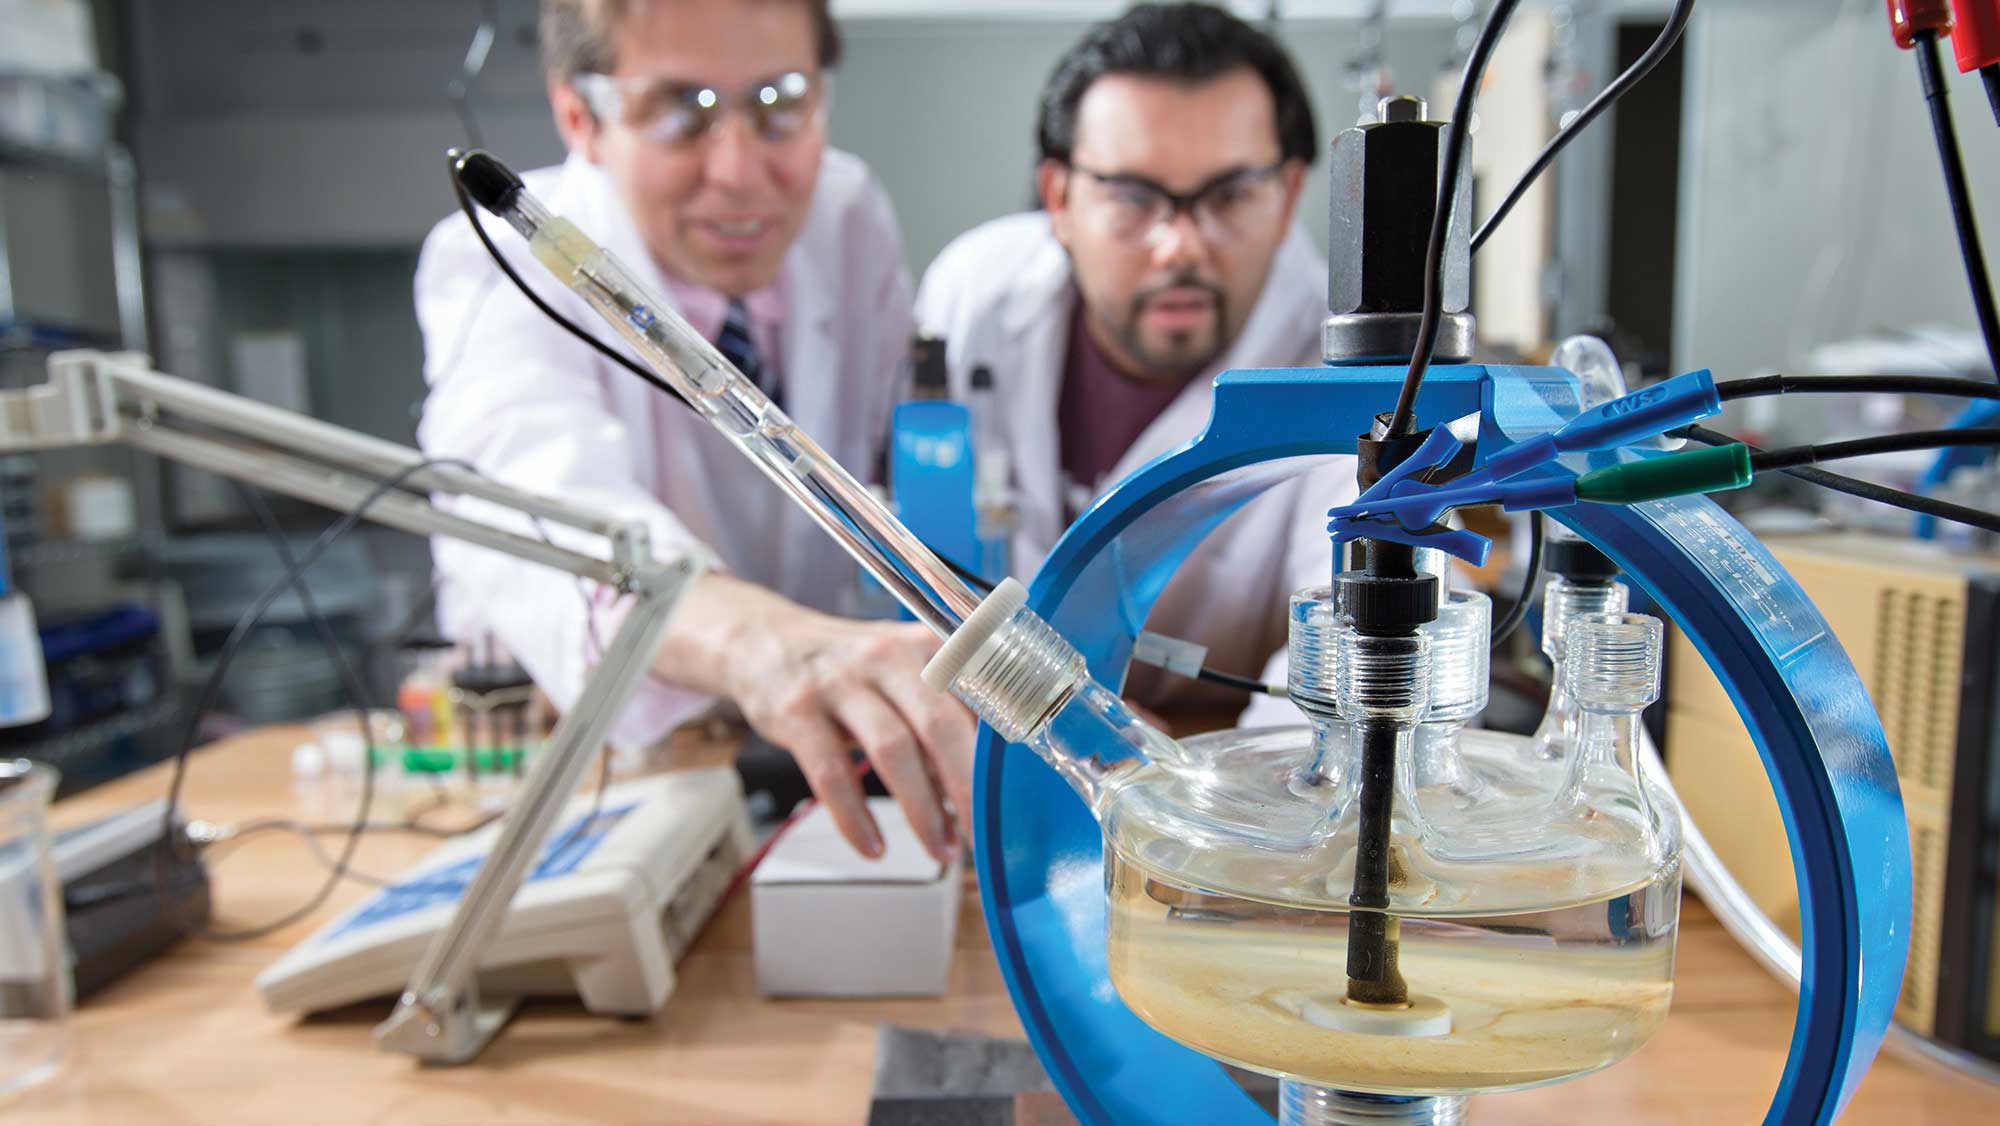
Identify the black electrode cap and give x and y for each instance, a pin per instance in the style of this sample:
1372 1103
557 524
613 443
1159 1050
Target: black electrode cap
1382 605
1577 561
982 378
488 679
927 358
491 184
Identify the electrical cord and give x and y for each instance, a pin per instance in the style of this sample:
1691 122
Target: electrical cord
231 646
1454 157
549 311
1930 70
339 867
1755 386
1240 683
1789 457
1518 612
1881 494
1663 45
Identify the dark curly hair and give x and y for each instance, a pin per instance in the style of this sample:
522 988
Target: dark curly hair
1187 42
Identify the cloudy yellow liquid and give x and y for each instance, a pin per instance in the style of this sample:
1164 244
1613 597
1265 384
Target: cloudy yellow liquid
1533 997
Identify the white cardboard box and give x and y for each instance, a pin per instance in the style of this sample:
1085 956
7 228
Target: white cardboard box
829 922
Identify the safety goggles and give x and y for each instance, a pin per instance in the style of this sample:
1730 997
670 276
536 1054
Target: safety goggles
1234 204
673 113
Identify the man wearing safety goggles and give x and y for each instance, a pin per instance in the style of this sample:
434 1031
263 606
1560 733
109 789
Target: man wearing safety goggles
698 154
1174 142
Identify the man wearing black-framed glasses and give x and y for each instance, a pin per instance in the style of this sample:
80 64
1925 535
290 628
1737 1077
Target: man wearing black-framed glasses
1174 143
699 155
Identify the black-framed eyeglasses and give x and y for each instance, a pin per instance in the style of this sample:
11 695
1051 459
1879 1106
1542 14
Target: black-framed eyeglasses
1233 204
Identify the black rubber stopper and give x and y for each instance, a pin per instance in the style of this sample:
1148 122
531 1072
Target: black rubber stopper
1578 561
927 357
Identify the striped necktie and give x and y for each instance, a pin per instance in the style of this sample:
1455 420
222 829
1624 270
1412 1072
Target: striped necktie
736 346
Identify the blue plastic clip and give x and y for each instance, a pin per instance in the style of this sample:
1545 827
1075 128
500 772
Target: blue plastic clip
1349 523
1626 419
1402 508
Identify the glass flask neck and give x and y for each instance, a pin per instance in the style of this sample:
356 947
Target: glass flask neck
1610 739
1566 602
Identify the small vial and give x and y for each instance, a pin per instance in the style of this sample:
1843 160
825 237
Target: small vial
996 514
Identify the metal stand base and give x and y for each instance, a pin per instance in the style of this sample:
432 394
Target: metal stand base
456 1035
1301 1104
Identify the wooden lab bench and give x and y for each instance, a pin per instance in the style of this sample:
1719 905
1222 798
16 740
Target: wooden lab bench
186 1039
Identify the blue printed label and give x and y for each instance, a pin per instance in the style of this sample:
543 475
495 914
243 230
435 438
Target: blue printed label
566 850
1743 570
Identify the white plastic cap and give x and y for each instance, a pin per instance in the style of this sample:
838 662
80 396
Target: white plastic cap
984 621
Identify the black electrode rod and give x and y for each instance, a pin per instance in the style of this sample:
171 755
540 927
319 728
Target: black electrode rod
1372 955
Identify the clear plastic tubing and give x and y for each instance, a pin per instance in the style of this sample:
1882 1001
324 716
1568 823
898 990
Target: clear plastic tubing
741 411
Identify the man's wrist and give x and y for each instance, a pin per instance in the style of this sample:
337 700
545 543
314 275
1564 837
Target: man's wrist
720 622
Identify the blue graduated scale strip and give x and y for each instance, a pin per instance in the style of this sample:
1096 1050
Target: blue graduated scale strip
1041 855
564 853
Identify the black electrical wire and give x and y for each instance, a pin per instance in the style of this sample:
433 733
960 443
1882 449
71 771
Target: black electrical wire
1454 157
1518 612
500 260
1881 494
1817 452
465 205
341 866
967 576
1930 70
1663 45
231 646
1239 683
1756 386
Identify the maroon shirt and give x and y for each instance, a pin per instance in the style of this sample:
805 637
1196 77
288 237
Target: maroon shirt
1102 410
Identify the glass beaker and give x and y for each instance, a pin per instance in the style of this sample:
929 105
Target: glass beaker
35 988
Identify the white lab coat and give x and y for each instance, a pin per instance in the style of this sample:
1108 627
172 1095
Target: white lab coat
1002 295
526 403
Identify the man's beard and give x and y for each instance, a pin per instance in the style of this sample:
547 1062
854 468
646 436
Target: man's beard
1186 356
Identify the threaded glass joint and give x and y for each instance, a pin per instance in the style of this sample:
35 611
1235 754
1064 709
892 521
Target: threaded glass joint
1613 661
1568 601
1383 679
1020 677
1313 657
1461 645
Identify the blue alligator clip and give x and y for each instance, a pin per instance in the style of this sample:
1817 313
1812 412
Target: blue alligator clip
1403 508
1349 523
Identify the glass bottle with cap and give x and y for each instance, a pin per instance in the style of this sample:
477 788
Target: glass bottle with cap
996 514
